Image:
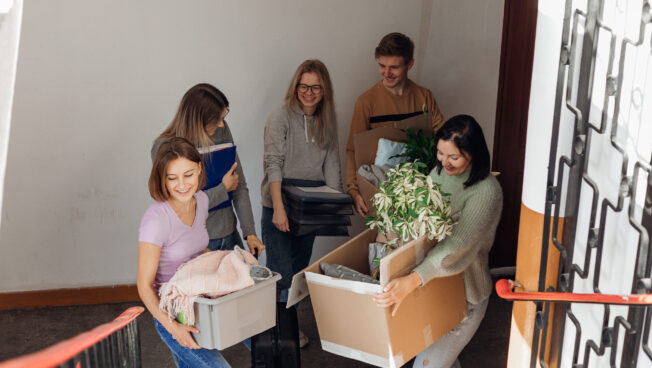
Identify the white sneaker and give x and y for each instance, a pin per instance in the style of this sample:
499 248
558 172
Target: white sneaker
303 339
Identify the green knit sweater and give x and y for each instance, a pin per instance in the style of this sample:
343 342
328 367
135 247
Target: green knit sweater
477 211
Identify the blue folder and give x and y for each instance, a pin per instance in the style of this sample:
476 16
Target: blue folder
217 164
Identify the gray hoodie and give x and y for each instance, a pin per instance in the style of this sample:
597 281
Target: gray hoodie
291 152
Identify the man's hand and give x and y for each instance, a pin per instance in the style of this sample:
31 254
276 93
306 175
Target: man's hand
255 245
231 178
396 291
359 205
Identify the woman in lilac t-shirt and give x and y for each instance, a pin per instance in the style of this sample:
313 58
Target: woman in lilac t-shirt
172 232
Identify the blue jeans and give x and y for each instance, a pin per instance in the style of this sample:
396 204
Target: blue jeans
286 254
226 243
443 352
190 358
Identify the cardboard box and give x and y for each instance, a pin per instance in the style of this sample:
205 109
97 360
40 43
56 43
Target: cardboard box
366 145
351 325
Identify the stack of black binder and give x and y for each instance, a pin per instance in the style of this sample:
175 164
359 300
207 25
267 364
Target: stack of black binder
313 208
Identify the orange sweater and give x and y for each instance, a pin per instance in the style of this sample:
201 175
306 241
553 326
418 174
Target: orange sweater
377 107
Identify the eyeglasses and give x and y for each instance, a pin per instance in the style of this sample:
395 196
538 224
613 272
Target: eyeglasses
227 113
316 89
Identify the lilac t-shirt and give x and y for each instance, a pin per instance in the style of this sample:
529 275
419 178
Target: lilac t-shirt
179 242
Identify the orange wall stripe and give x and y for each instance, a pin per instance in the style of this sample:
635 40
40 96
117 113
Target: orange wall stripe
528 259
60 297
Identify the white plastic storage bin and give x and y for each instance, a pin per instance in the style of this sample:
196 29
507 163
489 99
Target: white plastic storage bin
229 319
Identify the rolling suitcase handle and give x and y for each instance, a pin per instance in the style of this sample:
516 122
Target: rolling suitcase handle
278 347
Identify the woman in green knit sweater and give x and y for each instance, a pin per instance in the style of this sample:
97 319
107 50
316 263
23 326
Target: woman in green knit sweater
477 201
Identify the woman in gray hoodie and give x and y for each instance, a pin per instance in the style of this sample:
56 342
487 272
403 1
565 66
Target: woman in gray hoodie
300 143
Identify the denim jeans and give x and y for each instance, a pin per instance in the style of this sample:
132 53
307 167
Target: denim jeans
190 358
286 254
443 352
226 243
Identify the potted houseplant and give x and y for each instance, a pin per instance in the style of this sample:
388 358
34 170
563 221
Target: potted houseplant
409 205
419 147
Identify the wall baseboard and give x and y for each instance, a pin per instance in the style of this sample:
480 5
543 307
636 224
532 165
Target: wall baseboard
61 297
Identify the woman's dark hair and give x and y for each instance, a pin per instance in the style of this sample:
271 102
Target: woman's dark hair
467 135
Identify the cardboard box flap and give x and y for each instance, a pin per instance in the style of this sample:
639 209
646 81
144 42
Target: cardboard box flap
298 289
345 256
367 190
366 143
404 259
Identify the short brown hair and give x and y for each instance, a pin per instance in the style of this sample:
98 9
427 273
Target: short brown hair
169 151
396 44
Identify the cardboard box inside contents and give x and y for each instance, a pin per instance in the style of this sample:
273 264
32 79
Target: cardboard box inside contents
351 325
366 145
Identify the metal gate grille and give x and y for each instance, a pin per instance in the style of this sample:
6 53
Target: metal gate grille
599 175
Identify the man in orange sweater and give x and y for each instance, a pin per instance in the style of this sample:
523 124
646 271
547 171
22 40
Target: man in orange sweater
394 98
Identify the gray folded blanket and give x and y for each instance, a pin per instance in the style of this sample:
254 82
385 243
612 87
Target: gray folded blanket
343 272
376 251
375 174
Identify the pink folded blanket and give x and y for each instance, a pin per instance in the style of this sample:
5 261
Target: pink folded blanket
212 274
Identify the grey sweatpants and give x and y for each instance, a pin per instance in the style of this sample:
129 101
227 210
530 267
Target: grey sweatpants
443 352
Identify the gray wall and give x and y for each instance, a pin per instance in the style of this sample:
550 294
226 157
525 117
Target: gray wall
10 17
98 81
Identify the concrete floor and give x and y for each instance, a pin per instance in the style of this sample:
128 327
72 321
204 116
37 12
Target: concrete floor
28 330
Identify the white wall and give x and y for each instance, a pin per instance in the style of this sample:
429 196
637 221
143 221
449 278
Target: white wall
10 18
98 81
462 59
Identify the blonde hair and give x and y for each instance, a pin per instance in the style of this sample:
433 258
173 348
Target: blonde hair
325 122
202 105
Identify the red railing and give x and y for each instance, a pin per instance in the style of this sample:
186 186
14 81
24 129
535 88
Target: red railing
504 289
113 344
